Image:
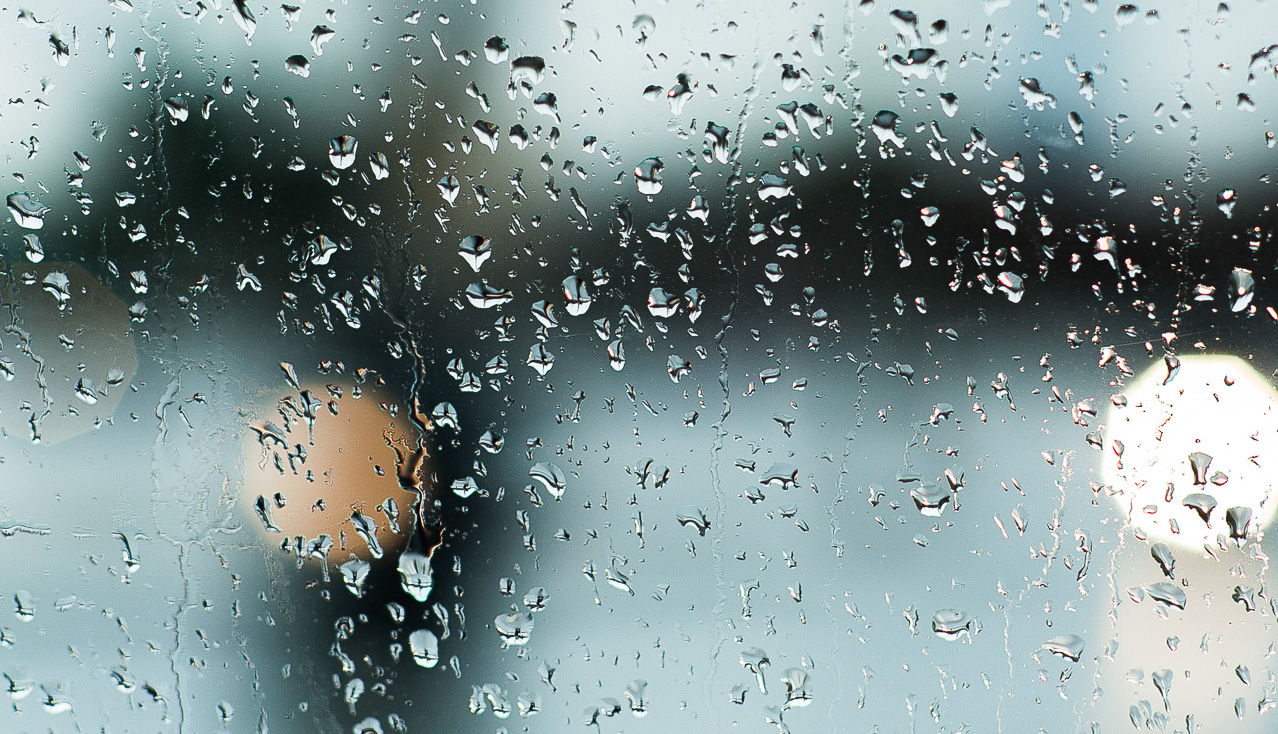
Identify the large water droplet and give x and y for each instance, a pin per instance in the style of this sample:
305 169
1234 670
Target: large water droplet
1242 287
475 250
551 477
1167 594
1202 504
354 575
931 499
648 176
482 295
298 64
27 212
577 294
1067 646
951 624
496 50
514 628
424 646
884 127
341 151
1198 463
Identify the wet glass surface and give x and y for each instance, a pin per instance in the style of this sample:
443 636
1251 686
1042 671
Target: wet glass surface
519 366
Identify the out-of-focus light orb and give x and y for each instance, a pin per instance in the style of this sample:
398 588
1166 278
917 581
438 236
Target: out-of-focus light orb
337 479
1192 453
68 358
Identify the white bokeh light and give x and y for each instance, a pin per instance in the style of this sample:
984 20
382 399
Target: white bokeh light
1215 411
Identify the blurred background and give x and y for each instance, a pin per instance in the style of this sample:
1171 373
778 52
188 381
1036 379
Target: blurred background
537 366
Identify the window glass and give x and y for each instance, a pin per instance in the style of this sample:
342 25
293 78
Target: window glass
496 366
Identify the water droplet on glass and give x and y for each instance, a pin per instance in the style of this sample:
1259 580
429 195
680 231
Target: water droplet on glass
33 248
482 295
177 109
1242 287
536 598
366 528
449 187
244 18
717 142
496 50
1012 285
424 646
1167 594
527 72
679 94
662 304
677 367
1202 504
772 186
1173 368
1225 201
488 133
756 661
61 51
577 294
58 285
1067 646
1198 463
24 602
797 693
616 355
931 499
354 575
1239 521
551 477
547 104
299 65
951 624
648 176
1162 681
320 35
1163 556
341 151
27 212
884 128
491 442
475 250
415 574
540 359
514 628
